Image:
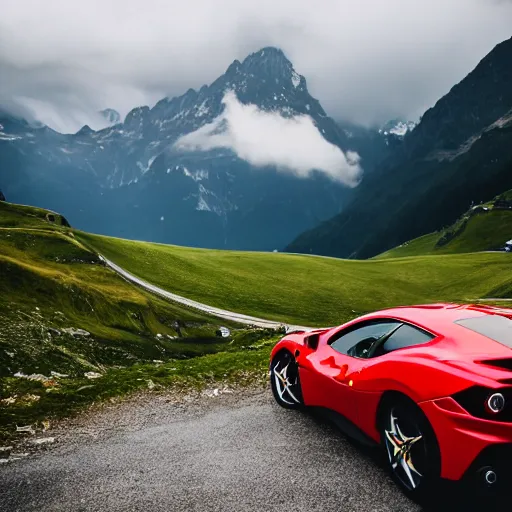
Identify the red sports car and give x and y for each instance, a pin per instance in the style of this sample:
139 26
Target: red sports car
431 384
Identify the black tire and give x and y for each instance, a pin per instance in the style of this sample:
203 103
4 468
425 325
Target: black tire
285 381
416 467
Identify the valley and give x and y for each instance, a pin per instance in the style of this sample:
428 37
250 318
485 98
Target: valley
73 332
166 253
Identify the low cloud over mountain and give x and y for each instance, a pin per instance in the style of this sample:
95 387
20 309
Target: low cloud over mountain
292 144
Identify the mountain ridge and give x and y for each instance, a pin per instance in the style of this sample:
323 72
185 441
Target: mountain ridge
458 153
129 180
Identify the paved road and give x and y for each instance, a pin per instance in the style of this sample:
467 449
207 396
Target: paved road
236 452
220 313
227 453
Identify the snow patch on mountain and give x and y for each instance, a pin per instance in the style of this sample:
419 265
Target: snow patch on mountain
295 79
202 205
397 127
202 109
145 168
198 175
6 136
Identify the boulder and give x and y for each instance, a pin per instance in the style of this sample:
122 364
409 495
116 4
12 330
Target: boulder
76 333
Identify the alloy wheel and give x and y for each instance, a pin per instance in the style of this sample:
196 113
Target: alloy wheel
285 382
406 450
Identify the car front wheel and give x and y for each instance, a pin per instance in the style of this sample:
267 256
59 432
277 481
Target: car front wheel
285 382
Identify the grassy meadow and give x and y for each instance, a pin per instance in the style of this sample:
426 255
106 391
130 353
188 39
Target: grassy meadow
482 228
307 290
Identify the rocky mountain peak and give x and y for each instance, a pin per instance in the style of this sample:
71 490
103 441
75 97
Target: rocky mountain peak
267 57
270 63
124 152
85 131
136 118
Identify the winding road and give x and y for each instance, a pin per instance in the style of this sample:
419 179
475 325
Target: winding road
219 313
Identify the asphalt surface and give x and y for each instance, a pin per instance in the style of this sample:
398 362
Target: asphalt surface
232 452
237 452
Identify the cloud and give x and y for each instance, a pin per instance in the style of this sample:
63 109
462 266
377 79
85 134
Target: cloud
366 60
265 139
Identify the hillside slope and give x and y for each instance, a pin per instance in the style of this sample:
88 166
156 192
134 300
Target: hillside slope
62 310
73 332
486 227
459 154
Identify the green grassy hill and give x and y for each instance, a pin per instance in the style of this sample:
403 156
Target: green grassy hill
307 290
50 283
62 310
484 227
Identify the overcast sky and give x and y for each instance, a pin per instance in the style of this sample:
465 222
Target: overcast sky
366 60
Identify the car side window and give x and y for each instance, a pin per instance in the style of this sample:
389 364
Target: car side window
405 336
358 341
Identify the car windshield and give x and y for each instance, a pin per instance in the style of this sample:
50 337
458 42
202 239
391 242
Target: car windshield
495 327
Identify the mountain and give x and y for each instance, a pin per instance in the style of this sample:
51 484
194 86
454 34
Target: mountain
397 128
130 180
376 144
459 153
484 227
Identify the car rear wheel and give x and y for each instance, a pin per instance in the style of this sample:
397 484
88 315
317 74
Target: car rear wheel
411 447
285 382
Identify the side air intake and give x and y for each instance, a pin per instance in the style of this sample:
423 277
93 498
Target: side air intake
502 364
311 341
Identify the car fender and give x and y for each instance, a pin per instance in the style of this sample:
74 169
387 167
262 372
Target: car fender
408 376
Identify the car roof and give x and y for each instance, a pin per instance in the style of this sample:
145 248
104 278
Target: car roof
442 320
439 315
